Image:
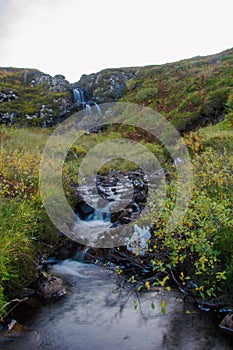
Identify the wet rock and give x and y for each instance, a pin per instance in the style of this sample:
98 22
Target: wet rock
227 323
122 216
117 187
23 337
125 220
49 286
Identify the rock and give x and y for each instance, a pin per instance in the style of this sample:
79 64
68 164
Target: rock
6 118
49 286
23 337
113 188
33 97
125 220
123 216
7 95
11 325
105 86
227 323
58 83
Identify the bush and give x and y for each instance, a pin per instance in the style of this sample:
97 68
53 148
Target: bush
215 103
198 252
146 95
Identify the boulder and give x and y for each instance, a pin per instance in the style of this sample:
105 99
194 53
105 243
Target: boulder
49 286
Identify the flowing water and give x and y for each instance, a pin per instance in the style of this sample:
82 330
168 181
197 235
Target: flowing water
79 99
98 315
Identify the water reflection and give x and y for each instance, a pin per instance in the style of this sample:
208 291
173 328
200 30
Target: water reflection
98 315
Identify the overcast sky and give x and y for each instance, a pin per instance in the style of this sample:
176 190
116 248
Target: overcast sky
74 37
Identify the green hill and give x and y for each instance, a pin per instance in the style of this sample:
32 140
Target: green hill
190 93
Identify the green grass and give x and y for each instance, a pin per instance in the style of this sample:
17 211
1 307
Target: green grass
25 230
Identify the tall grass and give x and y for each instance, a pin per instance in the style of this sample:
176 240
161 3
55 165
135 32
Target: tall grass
24 226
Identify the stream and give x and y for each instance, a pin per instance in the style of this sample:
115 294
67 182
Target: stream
101 312
98 315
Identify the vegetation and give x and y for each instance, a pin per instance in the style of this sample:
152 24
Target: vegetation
198 254
190 93
26 231
26 98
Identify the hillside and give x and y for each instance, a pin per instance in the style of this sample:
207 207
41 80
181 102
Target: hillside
190 93
31 97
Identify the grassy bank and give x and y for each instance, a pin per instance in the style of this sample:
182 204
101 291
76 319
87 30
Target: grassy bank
26 231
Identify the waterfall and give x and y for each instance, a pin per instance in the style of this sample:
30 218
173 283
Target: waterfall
78 96
80 255
88 109
98 109
82 96
79 99
99 215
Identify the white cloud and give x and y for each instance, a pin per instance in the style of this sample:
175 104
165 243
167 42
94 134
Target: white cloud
74 37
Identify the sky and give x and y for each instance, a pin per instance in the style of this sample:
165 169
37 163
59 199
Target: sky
74 37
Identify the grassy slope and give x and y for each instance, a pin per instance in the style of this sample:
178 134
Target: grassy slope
190 93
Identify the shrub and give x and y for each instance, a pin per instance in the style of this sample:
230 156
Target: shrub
215 102
198 252
146 95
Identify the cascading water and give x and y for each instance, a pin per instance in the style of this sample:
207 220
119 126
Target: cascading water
78 96
98 109
99 215
79 99
88 109
81 254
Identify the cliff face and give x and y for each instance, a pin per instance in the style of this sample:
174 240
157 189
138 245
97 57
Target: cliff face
106 86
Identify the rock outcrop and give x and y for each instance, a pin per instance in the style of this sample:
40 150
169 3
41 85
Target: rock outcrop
31 97
105 86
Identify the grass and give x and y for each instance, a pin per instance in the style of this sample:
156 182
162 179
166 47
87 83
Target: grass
26 231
